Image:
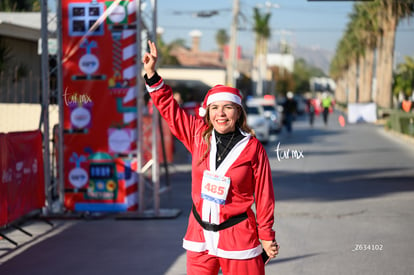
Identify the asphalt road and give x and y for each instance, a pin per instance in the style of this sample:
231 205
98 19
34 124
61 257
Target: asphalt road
344 206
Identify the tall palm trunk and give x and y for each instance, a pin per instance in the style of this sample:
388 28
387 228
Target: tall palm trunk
378 71
352 79
340 91
361 78
367 72
387 60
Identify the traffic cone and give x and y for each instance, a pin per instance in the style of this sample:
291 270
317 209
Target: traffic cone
341 121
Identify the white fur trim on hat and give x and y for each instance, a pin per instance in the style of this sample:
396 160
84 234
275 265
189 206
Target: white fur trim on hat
202 112
223 97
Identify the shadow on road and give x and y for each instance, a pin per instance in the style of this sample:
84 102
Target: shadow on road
342 185
289 259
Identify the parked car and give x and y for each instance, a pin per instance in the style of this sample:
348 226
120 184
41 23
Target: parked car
271 111
258 122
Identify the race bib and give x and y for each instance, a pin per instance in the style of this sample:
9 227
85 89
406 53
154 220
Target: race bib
214 187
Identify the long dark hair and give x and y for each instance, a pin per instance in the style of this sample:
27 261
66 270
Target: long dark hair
240 123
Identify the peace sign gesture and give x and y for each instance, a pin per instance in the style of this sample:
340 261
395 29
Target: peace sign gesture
150 59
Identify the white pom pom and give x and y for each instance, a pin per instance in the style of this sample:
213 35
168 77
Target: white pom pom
201 112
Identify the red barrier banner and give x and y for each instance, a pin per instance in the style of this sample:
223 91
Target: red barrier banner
4 179
22 173
147 141
99 94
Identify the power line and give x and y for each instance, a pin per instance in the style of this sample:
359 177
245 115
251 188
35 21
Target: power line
316 29
304 8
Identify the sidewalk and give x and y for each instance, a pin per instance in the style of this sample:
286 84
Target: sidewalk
105 244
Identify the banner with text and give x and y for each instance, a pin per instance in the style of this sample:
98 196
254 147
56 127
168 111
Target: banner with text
22 188
99 94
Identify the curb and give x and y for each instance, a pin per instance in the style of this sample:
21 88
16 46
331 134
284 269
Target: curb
406 138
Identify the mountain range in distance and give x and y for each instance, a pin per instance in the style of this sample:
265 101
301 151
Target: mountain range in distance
314 56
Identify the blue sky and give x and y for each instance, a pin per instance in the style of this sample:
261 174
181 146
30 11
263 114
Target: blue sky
307 23
314 24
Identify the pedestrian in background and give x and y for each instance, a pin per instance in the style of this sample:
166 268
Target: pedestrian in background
311 110
289 111
230 173
326 106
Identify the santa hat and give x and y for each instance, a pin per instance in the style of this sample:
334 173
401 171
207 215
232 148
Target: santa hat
220 93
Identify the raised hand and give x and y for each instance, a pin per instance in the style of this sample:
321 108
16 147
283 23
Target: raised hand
150 59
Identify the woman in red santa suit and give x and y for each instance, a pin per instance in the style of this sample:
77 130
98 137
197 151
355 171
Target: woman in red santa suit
230 172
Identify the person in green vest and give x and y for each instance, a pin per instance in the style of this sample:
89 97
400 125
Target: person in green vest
326 105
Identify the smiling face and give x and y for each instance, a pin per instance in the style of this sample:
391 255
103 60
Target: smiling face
224 115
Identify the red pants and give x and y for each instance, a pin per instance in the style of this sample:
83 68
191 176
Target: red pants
201 263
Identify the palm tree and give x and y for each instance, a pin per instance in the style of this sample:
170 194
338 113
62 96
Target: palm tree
391 13
338 68
349 60
222 39
372 33
367 24
19 5
164 51
373 26
353 91
353 49
5 56
354 39
262 32
404 78
12 6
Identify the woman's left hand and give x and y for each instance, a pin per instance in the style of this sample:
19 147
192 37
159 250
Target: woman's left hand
271 248
150 59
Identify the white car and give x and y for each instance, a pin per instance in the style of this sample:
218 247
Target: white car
275 118
270 111
258 122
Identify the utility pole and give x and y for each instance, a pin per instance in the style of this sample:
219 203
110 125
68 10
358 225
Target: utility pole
232 60
155 123
45 102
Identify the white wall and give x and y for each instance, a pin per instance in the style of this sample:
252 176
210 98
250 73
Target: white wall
24 117
210 77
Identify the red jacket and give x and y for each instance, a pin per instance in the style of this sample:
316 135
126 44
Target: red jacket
248 167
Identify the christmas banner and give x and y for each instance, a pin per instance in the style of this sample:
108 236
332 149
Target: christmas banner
99 104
